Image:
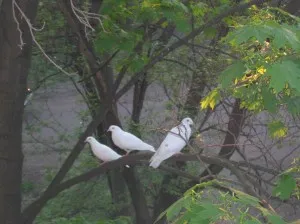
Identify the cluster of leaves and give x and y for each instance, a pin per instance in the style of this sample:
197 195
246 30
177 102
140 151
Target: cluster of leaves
288 182
266 75
204 204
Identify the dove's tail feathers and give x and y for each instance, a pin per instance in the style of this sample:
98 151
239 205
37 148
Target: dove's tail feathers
154 156
149 147
155 163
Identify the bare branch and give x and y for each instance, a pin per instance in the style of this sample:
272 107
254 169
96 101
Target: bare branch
31 28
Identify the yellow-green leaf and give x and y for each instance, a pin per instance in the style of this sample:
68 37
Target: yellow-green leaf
211 99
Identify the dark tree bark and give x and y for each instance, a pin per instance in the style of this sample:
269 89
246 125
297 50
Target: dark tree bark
140 88
235 124
14 67
164 198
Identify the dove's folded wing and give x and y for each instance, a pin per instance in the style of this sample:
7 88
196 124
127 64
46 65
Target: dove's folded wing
134 143
172 144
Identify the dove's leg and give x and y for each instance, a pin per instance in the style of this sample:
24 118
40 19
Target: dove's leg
103 163
127 153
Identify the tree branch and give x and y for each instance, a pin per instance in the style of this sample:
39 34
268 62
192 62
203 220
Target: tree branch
33 209
142 158
182 41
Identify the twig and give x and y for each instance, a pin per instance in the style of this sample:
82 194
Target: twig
31 28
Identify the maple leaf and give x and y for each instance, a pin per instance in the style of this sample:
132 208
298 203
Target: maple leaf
285 186
286 71
232 72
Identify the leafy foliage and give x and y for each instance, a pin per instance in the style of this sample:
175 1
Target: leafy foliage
229 74
211 99
283 73
287 183
281 35
277 129
203 204
285 186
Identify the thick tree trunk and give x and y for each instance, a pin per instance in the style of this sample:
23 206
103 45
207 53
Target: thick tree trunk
235 124
140 88
134 185
14 67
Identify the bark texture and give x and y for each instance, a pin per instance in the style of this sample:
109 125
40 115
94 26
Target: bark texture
14 67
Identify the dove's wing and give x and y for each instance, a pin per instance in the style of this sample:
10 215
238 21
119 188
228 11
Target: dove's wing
103 152
172 144
128 141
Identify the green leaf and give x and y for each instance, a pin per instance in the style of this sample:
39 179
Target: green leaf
285 186
246 198
210 32
106 42
206 212
275 219
277 129
183 25
252 221
284 72
199 9
184 218
293 104
232 72
127 45
284 35
243 34
269 100
137 63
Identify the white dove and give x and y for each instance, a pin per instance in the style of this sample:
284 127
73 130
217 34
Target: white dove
101 151
174 142
127 141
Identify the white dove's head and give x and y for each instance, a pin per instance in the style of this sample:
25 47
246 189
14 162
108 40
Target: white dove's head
113 128
89 139
187 121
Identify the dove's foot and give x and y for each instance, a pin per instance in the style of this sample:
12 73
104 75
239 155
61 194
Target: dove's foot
127 154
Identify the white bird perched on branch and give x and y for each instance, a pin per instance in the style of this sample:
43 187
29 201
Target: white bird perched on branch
101 151
128 142
174 142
